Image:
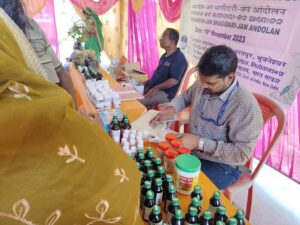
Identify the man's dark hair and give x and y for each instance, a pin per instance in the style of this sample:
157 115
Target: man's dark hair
173 35
218 60
15 10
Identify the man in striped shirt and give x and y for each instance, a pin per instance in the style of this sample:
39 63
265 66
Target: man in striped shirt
225 119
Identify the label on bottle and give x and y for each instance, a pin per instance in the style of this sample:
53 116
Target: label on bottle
159 223
146 213
168 202
115 133
212 209
158 198
169 217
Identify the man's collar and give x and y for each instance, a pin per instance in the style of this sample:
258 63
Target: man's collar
225 95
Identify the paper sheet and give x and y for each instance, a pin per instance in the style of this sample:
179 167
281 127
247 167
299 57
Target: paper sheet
142 123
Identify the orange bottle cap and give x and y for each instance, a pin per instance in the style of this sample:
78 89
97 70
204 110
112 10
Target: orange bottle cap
175 143
170 136
183 150
170 154
163 145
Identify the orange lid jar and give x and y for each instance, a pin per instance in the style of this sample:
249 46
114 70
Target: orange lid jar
169 160
183 150
175 144
162 147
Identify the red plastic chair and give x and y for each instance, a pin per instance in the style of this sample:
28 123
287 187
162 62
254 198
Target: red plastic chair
269 109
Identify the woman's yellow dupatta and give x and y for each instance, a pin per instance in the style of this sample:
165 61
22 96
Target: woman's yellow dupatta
55 166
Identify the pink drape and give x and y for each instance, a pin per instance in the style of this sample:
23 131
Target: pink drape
171 9
286 155
99 7
142 45
46 20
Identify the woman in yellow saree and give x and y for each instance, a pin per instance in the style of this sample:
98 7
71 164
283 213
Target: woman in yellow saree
55 166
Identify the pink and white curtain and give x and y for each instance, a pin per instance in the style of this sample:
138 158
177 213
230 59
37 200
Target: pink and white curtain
171 9
142 45
286 155
98 6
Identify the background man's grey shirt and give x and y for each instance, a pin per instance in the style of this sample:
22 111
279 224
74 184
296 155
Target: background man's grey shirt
234 140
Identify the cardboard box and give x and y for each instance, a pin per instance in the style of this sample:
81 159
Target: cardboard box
133 71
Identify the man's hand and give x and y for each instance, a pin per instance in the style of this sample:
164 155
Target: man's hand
151 92
190 141
166 114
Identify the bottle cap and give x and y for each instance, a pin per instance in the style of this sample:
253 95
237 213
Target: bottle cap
157 161
193 211
170 154
216 195
141 156
156 210
172 188
175 201
163 146
158 182
221 210
147 163
178 214
169 178
150 195
240 214
197 189
160 170
138 165
125 121
188 163
207 215
150 173
170 136
148 149
151 155
147 184
175 143
183 150
196 202
232 221
139 150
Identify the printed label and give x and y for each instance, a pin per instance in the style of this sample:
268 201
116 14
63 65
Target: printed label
146 213
186 223
167 205
158 198
116 133
212 209
169 217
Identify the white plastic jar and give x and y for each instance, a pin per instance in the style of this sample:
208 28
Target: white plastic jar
187 173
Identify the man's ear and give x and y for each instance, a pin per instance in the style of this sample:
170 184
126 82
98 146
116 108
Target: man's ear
231 76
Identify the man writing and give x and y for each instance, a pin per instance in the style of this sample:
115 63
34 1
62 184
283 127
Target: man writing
163 85
225 117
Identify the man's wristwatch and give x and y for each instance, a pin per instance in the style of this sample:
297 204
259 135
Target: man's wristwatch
201 145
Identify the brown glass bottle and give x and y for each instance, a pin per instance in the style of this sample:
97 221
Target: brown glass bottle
148 204
220 215
206 218
155 217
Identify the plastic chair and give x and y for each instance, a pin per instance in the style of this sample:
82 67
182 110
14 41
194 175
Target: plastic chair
269 109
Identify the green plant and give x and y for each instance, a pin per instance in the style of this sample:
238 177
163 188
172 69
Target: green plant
76 31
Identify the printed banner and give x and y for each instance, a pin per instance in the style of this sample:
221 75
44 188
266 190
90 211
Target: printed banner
264 34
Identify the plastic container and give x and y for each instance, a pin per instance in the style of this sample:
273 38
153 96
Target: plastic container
183 150
169 161
162 147
170 137
187 173
175 144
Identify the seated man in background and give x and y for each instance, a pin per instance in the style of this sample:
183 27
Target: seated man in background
225 118
164 83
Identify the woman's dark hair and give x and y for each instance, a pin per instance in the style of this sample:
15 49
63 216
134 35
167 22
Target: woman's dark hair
173 35
15 10
218 60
